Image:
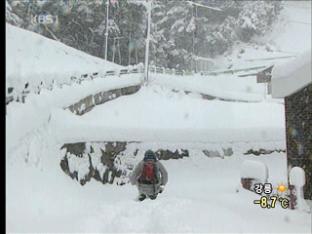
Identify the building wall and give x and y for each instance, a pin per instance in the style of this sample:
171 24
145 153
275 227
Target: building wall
298 108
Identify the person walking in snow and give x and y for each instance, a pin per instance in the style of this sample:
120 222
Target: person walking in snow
150 176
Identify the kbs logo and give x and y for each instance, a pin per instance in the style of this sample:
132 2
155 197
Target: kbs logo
44 18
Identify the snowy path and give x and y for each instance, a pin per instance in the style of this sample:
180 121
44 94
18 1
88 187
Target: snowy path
199 199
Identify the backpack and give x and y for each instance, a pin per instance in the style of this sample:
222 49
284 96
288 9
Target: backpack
149 173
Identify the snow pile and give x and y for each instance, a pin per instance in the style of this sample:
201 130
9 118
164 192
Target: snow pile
80 164
33 58
297 177
255 170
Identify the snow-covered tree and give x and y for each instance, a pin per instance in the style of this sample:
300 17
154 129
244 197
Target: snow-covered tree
256 17
180 30
11 17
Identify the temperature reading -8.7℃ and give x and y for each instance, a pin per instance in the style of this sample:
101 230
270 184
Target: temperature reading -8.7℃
267 200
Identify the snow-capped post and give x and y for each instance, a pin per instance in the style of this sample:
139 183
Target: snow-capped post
297 181
148 35
106 30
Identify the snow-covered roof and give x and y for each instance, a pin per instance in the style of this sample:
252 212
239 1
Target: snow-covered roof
290 77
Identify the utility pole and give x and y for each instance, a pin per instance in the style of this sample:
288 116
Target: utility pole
194 39
106 30
195 15
148 6
129 50
114 49
148 35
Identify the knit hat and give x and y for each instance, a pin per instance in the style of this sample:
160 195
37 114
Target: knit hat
149 155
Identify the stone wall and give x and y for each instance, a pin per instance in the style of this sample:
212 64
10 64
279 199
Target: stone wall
106 162
298 110
87 103
84 161
112 162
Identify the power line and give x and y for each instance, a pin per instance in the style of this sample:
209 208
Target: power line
298 22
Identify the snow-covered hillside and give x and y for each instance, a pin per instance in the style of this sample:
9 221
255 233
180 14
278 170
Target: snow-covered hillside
33 58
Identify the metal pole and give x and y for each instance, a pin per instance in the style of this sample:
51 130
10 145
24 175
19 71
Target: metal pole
194 49
195 41
149 12
114 49
129 50
106 30
119 54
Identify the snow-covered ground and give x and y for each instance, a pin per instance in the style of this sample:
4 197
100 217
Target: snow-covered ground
197 198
